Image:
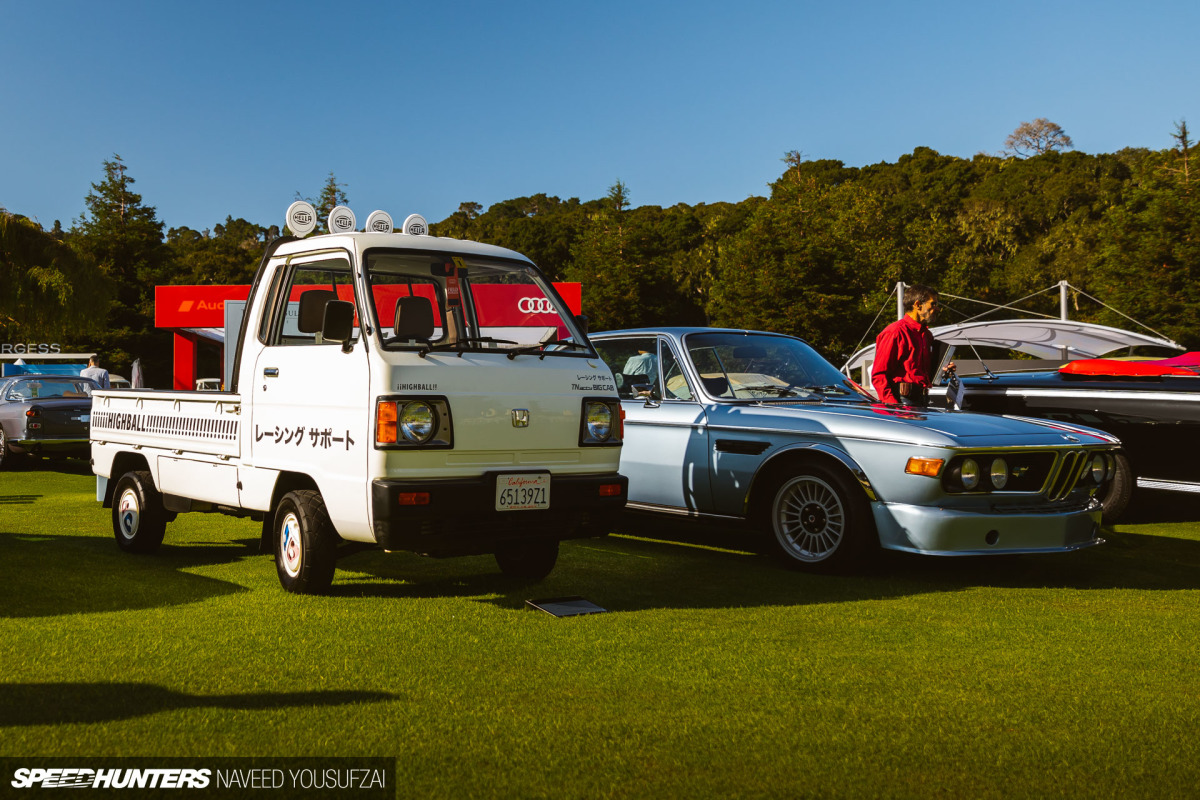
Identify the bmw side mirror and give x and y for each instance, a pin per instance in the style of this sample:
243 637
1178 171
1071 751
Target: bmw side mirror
338 323
582 321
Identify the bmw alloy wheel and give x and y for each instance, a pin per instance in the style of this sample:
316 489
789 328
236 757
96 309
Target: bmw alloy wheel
808 518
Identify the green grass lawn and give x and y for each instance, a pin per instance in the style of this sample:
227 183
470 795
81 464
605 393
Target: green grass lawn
716 674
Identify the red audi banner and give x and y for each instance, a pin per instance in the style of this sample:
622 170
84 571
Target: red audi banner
501 305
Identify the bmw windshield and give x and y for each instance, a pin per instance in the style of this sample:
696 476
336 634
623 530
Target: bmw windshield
434 301
752 366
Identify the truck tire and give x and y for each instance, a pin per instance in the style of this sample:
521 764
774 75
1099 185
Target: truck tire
138 518
305 543
819 521
529 561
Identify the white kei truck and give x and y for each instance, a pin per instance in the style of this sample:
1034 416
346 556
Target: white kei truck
389 389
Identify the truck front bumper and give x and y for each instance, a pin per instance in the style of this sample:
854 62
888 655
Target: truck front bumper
953 532
460 517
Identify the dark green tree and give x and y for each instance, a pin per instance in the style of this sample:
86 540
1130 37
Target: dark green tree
125 239
51 292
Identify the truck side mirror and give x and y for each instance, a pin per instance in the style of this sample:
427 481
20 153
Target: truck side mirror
338 324
582 321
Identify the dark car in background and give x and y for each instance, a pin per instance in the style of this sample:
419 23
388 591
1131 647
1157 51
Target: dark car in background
44 414
1153 407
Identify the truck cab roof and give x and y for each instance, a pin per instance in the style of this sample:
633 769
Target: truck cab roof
360 242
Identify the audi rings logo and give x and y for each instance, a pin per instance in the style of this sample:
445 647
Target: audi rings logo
535 305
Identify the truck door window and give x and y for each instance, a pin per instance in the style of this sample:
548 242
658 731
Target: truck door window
300 306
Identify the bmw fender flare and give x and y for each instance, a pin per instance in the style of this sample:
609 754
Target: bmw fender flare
841 456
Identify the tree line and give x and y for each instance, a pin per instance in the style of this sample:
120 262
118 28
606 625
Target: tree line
817 257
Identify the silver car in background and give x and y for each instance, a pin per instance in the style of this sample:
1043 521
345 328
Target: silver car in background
44 414
757 427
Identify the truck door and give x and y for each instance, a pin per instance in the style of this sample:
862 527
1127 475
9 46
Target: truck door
309 409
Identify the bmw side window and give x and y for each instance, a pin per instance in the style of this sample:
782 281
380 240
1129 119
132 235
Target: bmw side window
675 383
634 363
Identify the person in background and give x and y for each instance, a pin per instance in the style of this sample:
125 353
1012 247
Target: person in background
903 369
96 372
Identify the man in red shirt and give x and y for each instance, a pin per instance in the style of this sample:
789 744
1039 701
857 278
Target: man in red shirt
903 369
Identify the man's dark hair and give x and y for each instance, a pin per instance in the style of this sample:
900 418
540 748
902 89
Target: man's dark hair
95 360
917 294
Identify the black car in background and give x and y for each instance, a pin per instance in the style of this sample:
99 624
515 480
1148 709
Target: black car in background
44 414
1153 407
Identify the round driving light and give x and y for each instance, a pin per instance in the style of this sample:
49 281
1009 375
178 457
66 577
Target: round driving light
969 473
599 420
418 422
1099 468
999 473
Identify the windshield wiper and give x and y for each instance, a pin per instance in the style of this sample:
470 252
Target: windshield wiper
830 389
534 348
782 391
433 348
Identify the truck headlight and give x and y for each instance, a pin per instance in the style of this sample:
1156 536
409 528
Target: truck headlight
600 423
408 422
418 421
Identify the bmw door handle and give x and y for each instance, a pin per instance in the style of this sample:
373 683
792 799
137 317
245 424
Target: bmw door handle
270 372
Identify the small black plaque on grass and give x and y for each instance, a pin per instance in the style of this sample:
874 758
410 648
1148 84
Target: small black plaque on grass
565 606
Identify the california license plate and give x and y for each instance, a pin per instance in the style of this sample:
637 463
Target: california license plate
522 492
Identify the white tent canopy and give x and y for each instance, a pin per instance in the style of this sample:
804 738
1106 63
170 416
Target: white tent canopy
1039 338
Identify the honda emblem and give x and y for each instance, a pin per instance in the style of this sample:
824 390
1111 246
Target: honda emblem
520 417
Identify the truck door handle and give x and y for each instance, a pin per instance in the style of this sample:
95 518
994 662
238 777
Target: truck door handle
271 372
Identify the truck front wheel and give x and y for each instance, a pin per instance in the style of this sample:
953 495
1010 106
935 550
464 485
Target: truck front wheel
305 543
529 561
138 517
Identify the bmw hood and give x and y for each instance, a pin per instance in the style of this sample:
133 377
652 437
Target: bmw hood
917 426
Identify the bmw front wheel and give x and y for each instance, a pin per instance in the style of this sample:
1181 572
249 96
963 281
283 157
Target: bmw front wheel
818 522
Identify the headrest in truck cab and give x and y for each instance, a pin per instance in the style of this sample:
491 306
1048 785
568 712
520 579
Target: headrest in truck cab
414 318
312 310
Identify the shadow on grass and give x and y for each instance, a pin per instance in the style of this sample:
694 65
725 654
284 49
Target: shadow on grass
48 575
70 466
652 563
23 704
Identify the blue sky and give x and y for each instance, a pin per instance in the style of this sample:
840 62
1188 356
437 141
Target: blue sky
231 108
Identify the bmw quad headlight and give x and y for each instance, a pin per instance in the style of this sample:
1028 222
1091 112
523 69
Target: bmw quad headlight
969 474
1099 468
999 473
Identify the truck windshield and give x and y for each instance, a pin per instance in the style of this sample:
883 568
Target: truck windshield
434 301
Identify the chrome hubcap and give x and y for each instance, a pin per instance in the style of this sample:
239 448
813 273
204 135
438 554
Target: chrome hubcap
289 545
808 518
128 514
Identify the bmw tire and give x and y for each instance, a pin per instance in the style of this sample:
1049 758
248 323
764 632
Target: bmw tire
819 521
138 518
